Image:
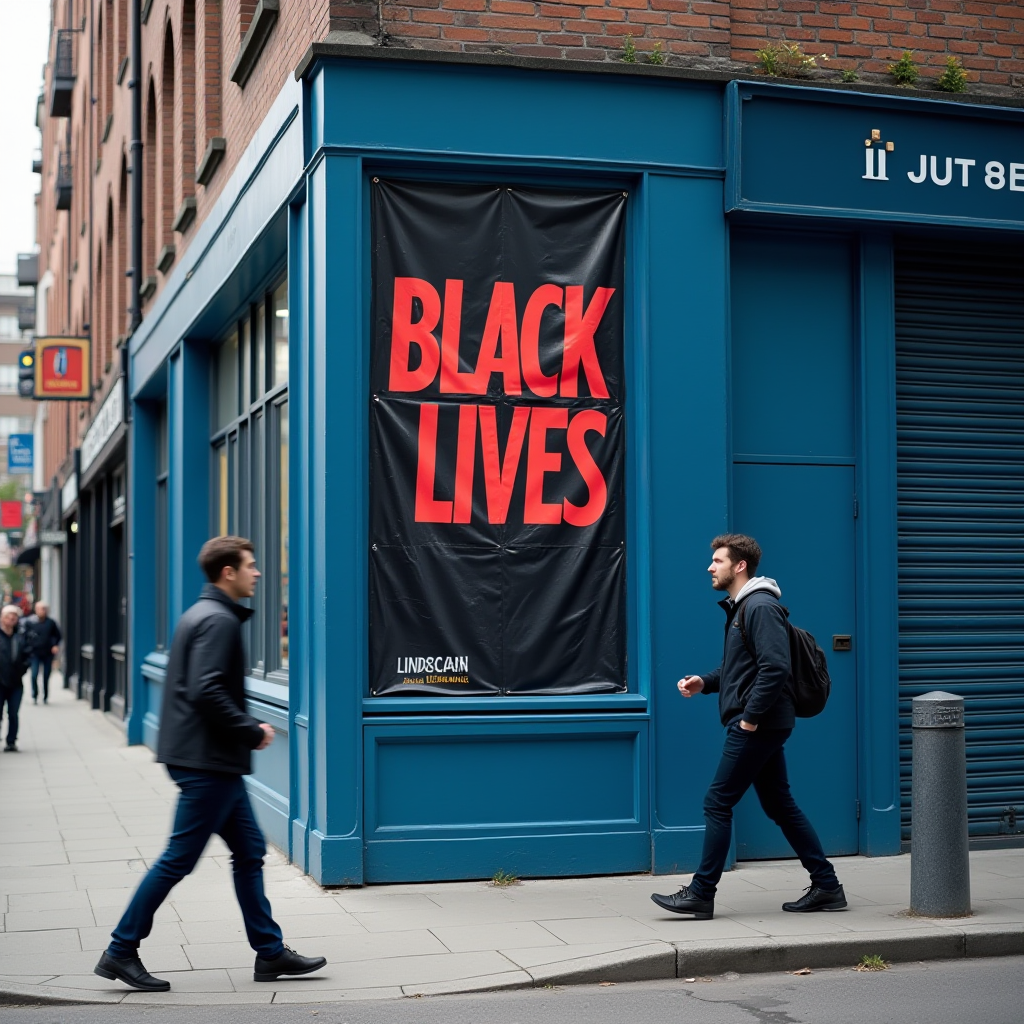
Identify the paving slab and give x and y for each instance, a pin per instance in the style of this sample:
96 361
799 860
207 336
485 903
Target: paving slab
84 815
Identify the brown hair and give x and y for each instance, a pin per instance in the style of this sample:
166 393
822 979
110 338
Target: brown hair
221 552
741 549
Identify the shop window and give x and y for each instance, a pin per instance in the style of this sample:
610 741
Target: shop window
162 522
250 463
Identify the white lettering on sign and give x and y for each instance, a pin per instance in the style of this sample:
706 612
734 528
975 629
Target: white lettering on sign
939 170
106 422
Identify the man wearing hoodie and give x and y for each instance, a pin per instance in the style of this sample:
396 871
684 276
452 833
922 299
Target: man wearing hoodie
756 707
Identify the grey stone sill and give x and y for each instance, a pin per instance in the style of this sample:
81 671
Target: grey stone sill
263 20
211 160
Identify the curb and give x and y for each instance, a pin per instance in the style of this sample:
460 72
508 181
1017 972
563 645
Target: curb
655 961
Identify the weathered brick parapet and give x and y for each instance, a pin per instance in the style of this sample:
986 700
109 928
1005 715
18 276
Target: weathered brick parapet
862 37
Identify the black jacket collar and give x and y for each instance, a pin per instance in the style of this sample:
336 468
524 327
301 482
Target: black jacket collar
212 593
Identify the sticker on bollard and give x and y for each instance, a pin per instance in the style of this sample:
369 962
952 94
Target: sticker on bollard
938 710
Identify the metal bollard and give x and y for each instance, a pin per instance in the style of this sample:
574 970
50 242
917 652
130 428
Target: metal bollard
940 867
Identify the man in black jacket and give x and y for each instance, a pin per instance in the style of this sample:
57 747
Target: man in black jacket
13 662
42 640
756 707
206 741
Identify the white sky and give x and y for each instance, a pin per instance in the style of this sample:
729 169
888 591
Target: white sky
24 35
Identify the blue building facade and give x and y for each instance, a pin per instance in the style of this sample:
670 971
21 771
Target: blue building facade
807 357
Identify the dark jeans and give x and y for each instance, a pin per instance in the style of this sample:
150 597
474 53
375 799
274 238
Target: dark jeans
12 698
755 758
44 661
210 803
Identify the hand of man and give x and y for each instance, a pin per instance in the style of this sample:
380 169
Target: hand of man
747 727
54 650
690 685
268 736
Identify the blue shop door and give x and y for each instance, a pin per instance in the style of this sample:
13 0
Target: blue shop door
802 516
794 451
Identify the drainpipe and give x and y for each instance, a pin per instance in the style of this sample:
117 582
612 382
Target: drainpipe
90 170
135 148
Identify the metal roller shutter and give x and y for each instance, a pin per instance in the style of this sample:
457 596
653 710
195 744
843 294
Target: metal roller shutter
960 483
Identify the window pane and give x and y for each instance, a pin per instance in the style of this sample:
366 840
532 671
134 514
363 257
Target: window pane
280 328
162 455
222 490
245 352
282 527
232 498
258 536
160 575
259 347
227 381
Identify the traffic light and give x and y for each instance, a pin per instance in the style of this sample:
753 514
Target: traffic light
27 373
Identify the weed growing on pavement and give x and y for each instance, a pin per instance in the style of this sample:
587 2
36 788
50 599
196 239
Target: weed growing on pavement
628 50
871 962
849 75
502 879
657 55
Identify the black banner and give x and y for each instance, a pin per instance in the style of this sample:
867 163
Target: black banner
497 524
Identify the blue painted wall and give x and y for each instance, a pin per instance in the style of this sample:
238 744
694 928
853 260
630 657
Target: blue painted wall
718 326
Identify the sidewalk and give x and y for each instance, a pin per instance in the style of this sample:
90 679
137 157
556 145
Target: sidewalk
82 816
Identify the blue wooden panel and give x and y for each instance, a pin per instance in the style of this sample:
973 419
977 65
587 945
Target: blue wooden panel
686 473
803 518
512 113
141 524
455 798
792 348
877 656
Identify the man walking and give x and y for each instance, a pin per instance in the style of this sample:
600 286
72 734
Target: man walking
13 662
756 707
42 641
206 740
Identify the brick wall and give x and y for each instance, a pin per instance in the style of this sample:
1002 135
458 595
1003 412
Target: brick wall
863 36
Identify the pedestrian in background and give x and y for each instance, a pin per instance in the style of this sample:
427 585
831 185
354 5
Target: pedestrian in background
13 663
42 641
206 741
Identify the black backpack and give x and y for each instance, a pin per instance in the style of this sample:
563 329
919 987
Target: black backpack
811 682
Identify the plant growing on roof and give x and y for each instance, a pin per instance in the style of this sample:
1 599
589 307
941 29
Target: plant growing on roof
849 75
628 50
954 78
657 55
905 72
787 60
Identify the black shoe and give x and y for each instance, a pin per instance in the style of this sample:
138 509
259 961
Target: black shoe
11 748
288 963
817 899
684 902
131 972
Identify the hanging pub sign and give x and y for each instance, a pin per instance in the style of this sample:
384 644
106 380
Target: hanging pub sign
497 521
63 368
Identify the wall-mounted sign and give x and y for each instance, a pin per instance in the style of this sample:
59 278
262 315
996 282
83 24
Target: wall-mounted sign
10 515
497 519
69 492
53 538
63 368
104 425
20 448
821 153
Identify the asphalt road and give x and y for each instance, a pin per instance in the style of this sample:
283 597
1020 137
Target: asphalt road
944 992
